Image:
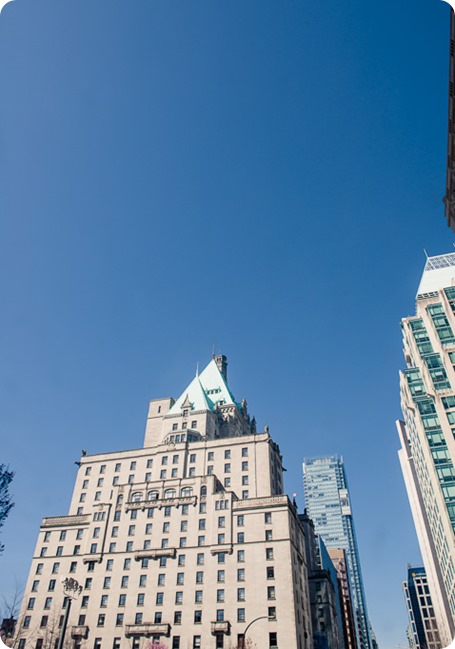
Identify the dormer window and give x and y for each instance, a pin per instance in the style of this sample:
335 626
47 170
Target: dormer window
185 413
175 426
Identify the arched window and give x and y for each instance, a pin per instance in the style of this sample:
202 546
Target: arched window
136 497
187 491
169 493
152 495
119 499
203 490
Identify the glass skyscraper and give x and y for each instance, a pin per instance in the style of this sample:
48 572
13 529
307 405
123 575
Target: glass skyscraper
328 505
427 432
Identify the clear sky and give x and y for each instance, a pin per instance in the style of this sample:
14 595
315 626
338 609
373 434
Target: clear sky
258 175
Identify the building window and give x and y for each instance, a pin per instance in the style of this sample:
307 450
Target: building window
180 579
119 619
107 582
241 556
269 553
198 596
101 619
221 576
159 598
268 535
43 622
245 451
272 612
51 584
122 600
35 585
48 603
241 574
270 592
104 599
268 517
116 643
245 466
240 537
27 620
39 568
176 642
210 456
270 572
199 577
220 595
198 617
227 482
245 495
200 559
88 470
125 580
138 618
177 617
221 539
221 557
227 468
84 602
209 470
143 580
31 603
201 540
179 597
196 642
273 639
244 480
220 615
240 594
140 599
240 615
240 521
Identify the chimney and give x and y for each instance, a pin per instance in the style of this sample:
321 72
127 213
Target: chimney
221 361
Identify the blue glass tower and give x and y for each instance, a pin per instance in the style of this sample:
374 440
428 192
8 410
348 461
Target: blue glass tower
328 505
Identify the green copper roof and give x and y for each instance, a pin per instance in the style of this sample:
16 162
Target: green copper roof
204 392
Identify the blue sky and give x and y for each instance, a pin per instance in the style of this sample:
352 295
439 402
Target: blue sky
257 175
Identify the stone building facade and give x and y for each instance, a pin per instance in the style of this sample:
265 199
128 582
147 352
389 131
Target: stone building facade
187 542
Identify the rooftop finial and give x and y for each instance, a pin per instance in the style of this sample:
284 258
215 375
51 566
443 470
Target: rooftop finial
197 368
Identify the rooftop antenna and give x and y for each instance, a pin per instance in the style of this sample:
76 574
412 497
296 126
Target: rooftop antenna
426 254
213 350
197 368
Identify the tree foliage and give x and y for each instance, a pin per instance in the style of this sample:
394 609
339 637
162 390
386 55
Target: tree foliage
6 503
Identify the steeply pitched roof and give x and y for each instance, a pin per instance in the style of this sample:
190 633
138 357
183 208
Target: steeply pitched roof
204 391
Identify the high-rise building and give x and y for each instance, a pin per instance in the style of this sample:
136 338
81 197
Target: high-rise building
328 505
338 557
188 541
427 433
324 594
423 631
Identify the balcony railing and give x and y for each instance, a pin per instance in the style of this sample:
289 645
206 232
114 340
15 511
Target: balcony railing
220 627
155 553
162 502
79 631
64 521
147 629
